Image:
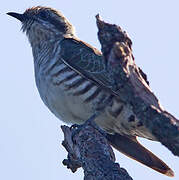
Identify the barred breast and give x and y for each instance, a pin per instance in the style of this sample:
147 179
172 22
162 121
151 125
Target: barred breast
71 97
74 99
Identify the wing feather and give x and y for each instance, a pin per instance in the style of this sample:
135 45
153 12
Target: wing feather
86 61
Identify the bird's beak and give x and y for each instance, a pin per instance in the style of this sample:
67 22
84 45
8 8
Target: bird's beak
20 17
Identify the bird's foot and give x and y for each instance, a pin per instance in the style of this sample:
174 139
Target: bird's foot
76 128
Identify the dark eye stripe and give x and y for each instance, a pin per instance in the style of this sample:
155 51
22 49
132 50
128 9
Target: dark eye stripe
43 14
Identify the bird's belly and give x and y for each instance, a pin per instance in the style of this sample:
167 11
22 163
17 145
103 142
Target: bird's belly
115 117
74 99
67 107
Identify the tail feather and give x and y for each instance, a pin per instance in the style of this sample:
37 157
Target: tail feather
132 148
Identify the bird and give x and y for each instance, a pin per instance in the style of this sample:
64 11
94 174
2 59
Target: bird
73 83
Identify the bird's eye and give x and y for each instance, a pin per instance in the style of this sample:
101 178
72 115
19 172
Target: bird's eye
43 15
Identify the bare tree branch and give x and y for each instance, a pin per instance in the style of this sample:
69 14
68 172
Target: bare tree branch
133 88
90 150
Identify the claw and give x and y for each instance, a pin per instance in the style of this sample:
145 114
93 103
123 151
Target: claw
74 126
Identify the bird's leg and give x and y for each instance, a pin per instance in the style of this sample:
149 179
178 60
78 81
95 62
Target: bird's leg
87 122
76 128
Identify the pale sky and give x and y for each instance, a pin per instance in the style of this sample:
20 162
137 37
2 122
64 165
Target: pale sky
30 135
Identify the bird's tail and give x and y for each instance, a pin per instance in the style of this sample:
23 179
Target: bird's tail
133 149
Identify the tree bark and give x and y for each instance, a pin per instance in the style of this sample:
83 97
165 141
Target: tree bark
89 148
132 86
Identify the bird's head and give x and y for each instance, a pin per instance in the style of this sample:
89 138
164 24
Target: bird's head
43 23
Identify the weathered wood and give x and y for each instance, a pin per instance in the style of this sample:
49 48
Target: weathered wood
132 86
90 150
